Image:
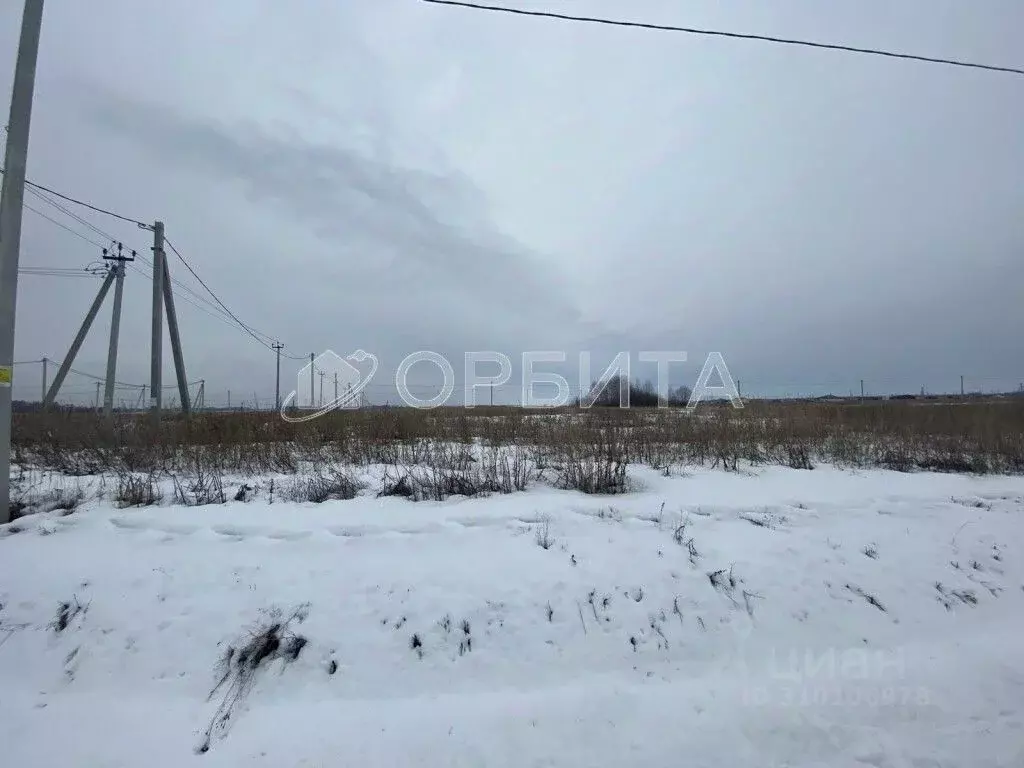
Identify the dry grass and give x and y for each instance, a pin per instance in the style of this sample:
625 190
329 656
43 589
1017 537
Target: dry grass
588 450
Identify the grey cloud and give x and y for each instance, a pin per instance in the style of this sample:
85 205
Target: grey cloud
393 176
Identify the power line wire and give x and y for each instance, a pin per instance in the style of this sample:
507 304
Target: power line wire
62 225
215 313
84 204
733 35
186 289
66 211
222 313
251 331
53 273
221 309
122 383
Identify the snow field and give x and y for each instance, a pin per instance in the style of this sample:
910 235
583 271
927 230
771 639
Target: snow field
773 617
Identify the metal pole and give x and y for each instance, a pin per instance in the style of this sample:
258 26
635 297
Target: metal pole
11 208
172 330
156 340
115 329
278 346
69 358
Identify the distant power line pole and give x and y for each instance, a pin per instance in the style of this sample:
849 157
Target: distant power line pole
278 346
12 200
312 368
45 361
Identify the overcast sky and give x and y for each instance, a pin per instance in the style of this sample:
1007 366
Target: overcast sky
396 176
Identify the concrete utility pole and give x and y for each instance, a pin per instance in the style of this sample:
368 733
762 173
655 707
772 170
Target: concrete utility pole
11 208
115 327
335 386
961 386
172 329
156 340
321 374
69 358
45 361
312 368
97 402
278 346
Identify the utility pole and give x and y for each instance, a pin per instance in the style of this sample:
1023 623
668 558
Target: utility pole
115 326
201 395
492 393
278 346
11 208
69 358
172 330
862 389
961 386
45 361
97 402
335 386
157 335
312 368
321 374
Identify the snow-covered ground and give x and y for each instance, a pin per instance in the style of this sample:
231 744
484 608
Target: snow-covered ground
767 618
